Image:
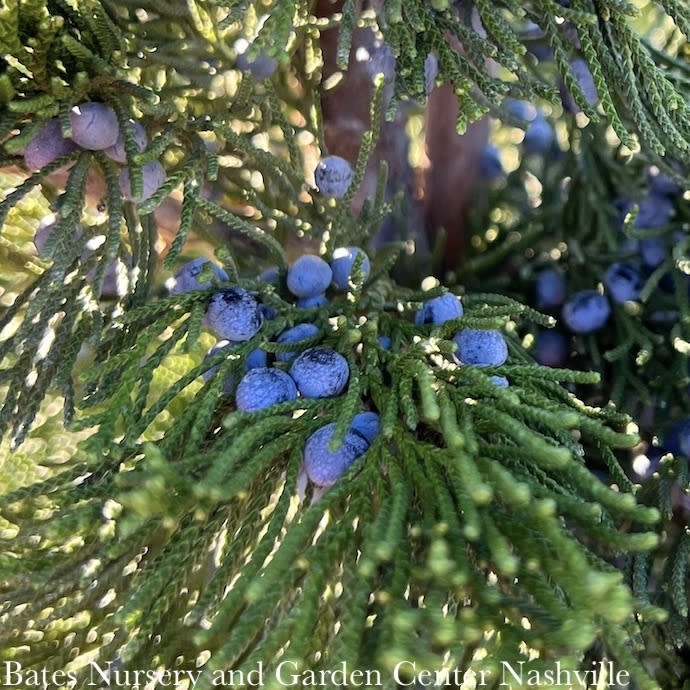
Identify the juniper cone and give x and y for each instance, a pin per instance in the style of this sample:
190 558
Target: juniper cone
152 175
333 176
233 314
309 276
586 311
324 465
320 372
187 278
395 495
117 151
94 126
263 387
47 145
301 331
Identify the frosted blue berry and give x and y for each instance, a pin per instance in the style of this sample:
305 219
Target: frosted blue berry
367 425
550 289
343 261
301 331
263 387
623 282
47 145
255 359
311 302
439 310
309 276
490 165
551 348
385 342
117 151
320 372
152 178
187 278
333 176
234 314
325 466
586 311
94 126
539 137
483 348
500 381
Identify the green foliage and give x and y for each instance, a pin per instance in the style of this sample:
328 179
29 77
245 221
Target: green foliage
169 530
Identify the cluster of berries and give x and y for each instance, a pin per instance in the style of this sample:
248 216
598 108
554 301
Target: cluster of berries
539 139
236 316
588 311
94 127
476 347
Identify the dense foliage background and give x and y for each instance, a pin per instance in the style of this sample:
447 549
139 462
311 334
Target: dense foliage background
150 524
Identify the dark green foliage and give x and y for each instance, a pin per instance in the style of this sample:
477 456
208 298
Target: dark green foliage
174 531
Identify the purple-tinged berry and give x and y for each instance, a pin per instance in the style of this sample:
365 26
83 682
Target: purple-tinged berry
342 264
551 349
261 67
367 425
439 310
301 331
152 178
550 289
483 348
94 126
260 388
309 276
333 176
325 466
187 278
47 145
623 282
117 151
234 314
586 311
320 373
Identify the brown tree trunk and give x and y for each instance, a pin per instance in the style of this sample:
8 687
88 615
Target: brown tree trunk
438 197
